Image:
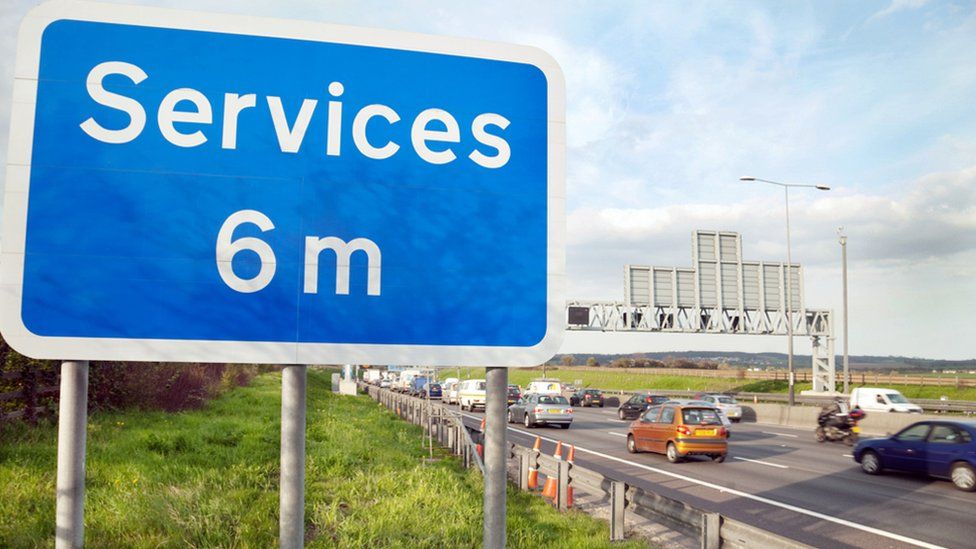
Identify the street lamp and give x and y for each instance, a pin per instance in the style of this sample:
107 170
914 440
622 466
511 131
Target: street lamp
789 276
842 238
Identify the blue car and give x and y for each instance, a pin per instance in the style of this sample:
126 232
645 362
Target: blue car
945 449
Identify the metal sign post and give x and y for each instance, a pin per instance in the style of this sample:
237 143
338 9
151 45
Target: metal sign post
291 530
495 449
72 433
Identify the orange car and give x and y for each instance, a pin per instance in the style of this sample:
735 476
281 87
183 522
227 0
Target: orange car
677 430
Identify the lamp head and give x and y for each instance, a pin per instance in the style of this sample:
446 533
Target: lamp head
747 178
823 187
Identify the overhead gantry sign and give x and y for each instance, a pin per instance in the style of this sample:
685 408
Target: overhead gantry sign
719 294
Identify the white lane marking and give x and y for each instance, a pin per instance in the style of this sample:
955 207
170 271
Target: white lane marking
848 455
618 434
761 499
761 462
779 434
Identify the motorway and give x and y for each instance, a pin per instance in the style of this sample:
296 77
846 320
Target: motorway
779 479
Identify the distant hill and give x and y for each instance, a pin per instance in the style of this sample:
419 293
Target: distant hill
778 360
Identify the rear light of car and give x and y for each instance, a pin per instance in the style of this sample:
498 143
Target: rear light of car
569 410
682 430
722 432
539 410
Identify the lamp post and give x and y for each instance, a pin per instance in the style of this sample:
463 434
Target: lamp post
789 277
842 238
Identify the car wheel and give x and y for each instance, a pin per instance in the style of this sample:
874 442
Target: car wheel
850 439
511 419
601 405
871 463
527 421
964 477
673 455
820 434
719 458
621 415
631 444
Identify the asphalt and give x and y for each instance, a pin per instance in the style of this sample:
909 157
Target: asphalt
779 479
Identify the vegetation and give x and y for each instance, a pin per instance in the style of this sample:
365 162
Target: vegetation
633 381
209 478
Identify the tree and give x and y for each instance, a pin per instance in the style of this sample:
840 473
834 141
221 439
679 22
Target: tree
568 360
591 362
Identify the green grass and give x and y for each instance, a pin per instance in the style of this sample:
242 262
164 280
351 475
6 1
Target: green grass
625 380
209 478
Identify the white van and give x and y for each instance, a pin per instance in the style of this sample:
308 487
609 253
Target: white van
403 382
882 400
471 393
544 387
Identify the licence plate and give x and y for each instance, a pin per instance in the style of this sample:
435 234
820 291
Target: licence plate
705 433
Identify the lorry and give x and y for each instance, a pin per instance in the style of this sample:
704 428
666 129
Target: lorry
372 376
417 384
871 399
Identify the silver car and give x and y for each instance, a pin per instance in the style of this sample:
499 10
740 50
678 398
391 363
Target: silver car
726 403
536 409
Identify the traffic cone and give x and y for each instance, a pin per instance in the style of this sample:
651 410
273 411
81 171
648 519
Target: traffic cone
549 490
534 465
479 447
569 490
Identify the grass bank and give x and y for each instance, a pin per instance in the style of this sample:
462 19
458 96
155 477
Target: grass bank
209 478
624 380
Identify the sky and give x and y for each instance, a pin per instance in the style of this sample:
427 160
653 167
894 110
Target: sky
669 103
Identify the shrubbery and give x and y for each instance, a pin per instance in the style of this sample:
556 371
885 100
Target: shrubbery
117 385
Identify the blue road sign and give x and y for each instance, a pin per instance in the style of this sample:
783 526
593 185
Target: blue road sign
201 187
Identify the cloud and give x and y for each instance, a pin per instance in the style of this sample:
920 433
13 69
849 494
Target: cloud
896 6
933 220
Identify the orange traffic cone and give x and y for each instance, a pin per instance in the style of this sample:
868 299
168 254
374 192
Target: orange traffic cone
569 491
479 447
549 490
534 465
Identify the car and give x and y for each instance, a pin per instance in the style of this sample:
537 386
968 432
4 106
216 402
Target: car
514 394
587 397
536 409
637 403
726 403
471 394
939 448
678 430
450 391
432 391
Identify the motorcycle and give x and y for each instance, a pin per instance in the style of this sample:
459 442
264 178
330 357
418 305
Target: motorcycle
836 425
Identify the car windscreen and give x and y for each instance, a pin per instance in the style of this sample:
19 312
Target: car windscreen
435 387
700 416
896 398
592 391
726 400
553 400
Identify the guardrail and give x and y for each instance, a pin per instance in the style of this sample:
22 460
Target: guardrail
928 404
712 529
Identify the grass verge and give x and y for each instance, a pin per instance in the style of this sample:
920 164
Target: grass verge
624 380
209 478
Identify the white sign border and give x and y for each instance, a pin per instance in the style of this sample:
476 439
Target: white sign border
14 227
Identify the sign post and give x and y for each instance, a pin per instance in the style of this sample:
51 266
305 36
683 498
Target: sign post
284 192
292 494
496 446
72 435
